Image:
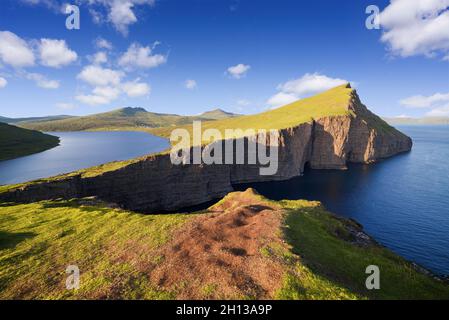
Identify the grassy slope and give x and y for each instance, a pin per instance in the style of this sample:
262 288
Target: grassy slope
38 241
113 249
16 142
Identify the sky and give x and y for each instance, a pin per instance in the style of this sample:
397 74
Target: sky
244 56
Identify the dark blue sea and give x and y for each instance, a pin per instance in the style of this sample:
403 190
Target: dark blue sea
403 202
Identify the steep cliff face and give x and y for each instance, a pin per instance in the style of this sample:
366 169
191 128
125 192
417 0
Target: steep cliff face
155 184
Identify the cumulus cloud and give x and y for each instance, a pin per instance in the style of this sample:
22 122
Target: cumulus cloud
92 99
420 101
3 82
281 99
120 13
55 53
138 56
308 84
42 81
101 77
101 43
190 84
438 103
15 51
99 58
416 27
136 89
238 71
111 93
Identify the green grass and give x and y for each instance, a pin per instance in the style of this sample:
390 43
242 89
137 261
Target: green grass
17 142
111 247
115 251
333 267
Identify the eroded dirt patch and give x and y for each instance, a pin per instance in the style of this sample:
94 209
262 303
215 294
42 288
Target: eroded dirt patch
218 255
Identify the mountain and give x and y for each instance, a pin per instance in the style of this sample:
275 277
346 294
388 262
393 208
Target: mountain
17 142
397 121
119 119
32 119
218 114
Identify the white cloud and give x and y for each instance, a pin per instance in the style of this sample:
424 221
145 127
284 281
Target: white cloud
416 27
42 81
111 93
101 77
99 58
92 100
190 84
438 103
420 101
281 99
121 13
101 43
238 71
310 83
15 51
141 57
136 89
55 53
3 82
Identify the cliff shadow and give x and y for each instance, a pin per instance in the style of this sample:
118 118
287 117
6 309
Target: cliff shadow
9 240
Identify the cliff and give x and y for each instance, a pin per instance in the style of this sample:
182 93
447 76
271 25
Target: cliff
153 183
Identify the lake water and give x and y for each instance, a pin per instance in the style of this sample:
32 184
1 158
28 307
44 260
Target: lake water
80 150
403 201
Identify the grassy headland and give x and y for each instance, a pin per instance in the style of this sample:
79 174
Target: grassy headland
17 142
120 254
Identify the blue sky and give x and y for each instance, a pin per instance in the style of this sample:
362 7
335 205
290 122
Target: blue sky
245 56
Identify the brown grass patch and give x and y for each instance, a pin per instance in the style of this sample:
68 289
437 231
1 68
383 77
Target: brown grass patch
218 255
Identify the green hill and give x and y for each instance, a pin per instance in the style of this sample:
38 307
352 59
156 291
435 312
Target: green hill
17 142
124 118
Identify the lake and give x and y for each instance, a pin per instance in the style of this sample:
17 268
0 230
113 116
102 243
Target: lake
79 150
403 202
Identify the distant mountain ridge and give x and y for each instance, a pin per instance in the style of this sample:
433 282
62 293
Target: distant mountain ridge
417 121
123 118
